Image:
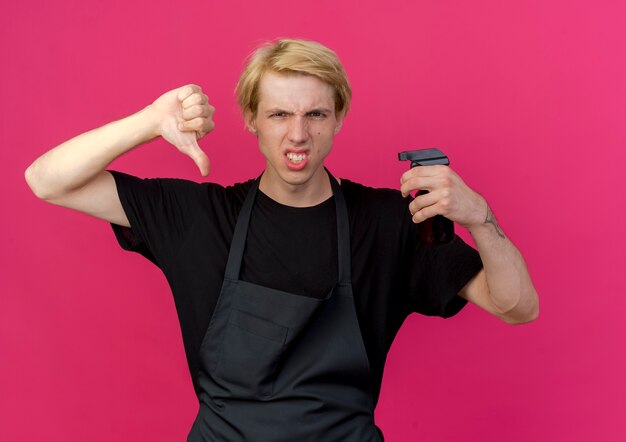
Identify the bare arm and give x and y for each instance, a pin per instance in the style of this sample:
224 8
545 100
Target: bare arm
503 287
73 174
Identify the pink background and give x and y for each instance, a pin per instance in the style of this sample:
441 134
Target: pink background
526 97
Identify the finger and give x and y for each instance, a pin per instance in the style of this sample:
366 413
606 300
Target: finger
194 99
198 110
418 183
195 124
423 171
193 151
421 201
185 91
425 213
207 125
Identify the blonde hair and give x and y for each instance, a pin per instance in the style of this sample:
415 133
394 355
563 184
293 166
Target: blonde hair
289 57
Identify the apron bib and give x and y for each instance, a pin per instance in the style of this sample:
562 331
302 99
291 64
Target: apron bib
282 367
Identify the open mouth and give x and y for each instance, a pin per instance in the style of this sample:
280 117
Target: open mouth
296 158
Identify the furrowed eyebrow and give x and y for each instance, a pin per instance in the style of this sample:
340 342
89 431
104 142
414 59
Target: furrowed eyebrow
322 110
277 111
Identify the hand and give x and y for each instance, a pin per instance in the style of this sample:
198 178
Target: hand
447 195
183 116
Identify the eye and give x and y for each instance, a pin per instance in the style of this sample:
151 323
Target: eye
317 115
278 115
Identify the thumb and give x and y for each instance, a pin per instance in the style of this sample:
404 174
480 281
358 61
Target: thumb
193 151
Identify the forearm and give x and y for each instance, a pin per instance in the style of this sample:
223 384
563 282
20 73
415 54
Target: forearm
510 288
74 163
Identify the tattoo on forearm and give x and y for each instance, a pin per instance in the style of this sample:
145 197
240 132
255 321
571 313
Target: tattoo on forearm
491 219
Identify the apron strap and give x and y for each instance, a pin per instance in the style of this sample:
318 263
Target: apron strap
238 244
343 232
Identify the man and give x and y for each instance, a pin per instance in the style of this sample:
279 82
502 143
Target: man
289 288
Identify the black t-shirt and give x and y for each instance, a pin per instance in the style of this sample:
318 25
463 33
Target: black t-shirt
186 228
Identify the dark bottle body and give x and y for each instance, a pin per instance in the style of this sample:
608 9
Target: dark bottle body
437 229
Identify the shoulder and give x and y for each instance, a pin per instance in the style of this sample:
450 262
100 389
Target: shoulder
182 184
237 191
180 192
134 183
360 190
232 195
365 198
380 213
222 201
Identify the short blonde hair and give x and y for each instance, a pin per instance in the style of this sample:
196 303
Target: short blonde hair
289 57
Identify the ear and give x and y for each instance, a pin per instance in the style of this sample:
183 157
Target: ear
339 119
250 122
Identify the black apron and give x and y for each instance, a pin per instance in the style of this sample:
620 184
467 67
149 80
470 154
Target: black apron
281 367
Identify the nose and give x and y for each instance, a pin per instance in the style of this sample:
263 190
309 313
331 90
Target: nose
298 130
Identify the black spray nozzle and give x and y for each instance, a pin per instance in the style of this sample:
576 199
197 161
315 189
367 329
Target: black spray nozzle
424 157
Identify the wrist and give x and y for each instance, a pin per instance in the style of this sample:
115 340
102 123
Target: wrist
479 229
488 225
478 215
148 124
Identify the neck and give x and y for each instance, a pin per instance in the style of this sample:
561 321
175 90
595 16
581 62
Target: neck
310 193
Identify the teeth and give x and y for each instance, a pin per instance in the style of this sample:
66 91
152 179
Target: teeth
295 157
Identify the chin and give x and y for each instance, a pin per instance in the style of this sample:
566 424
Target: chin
296 178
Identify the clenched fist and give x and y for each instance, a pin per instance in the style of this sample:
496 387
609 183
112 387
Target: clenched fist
183 116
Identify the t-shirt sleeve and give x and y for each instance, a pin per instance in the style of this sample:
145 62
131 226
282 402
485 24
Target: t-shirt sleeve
438 273
160 211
